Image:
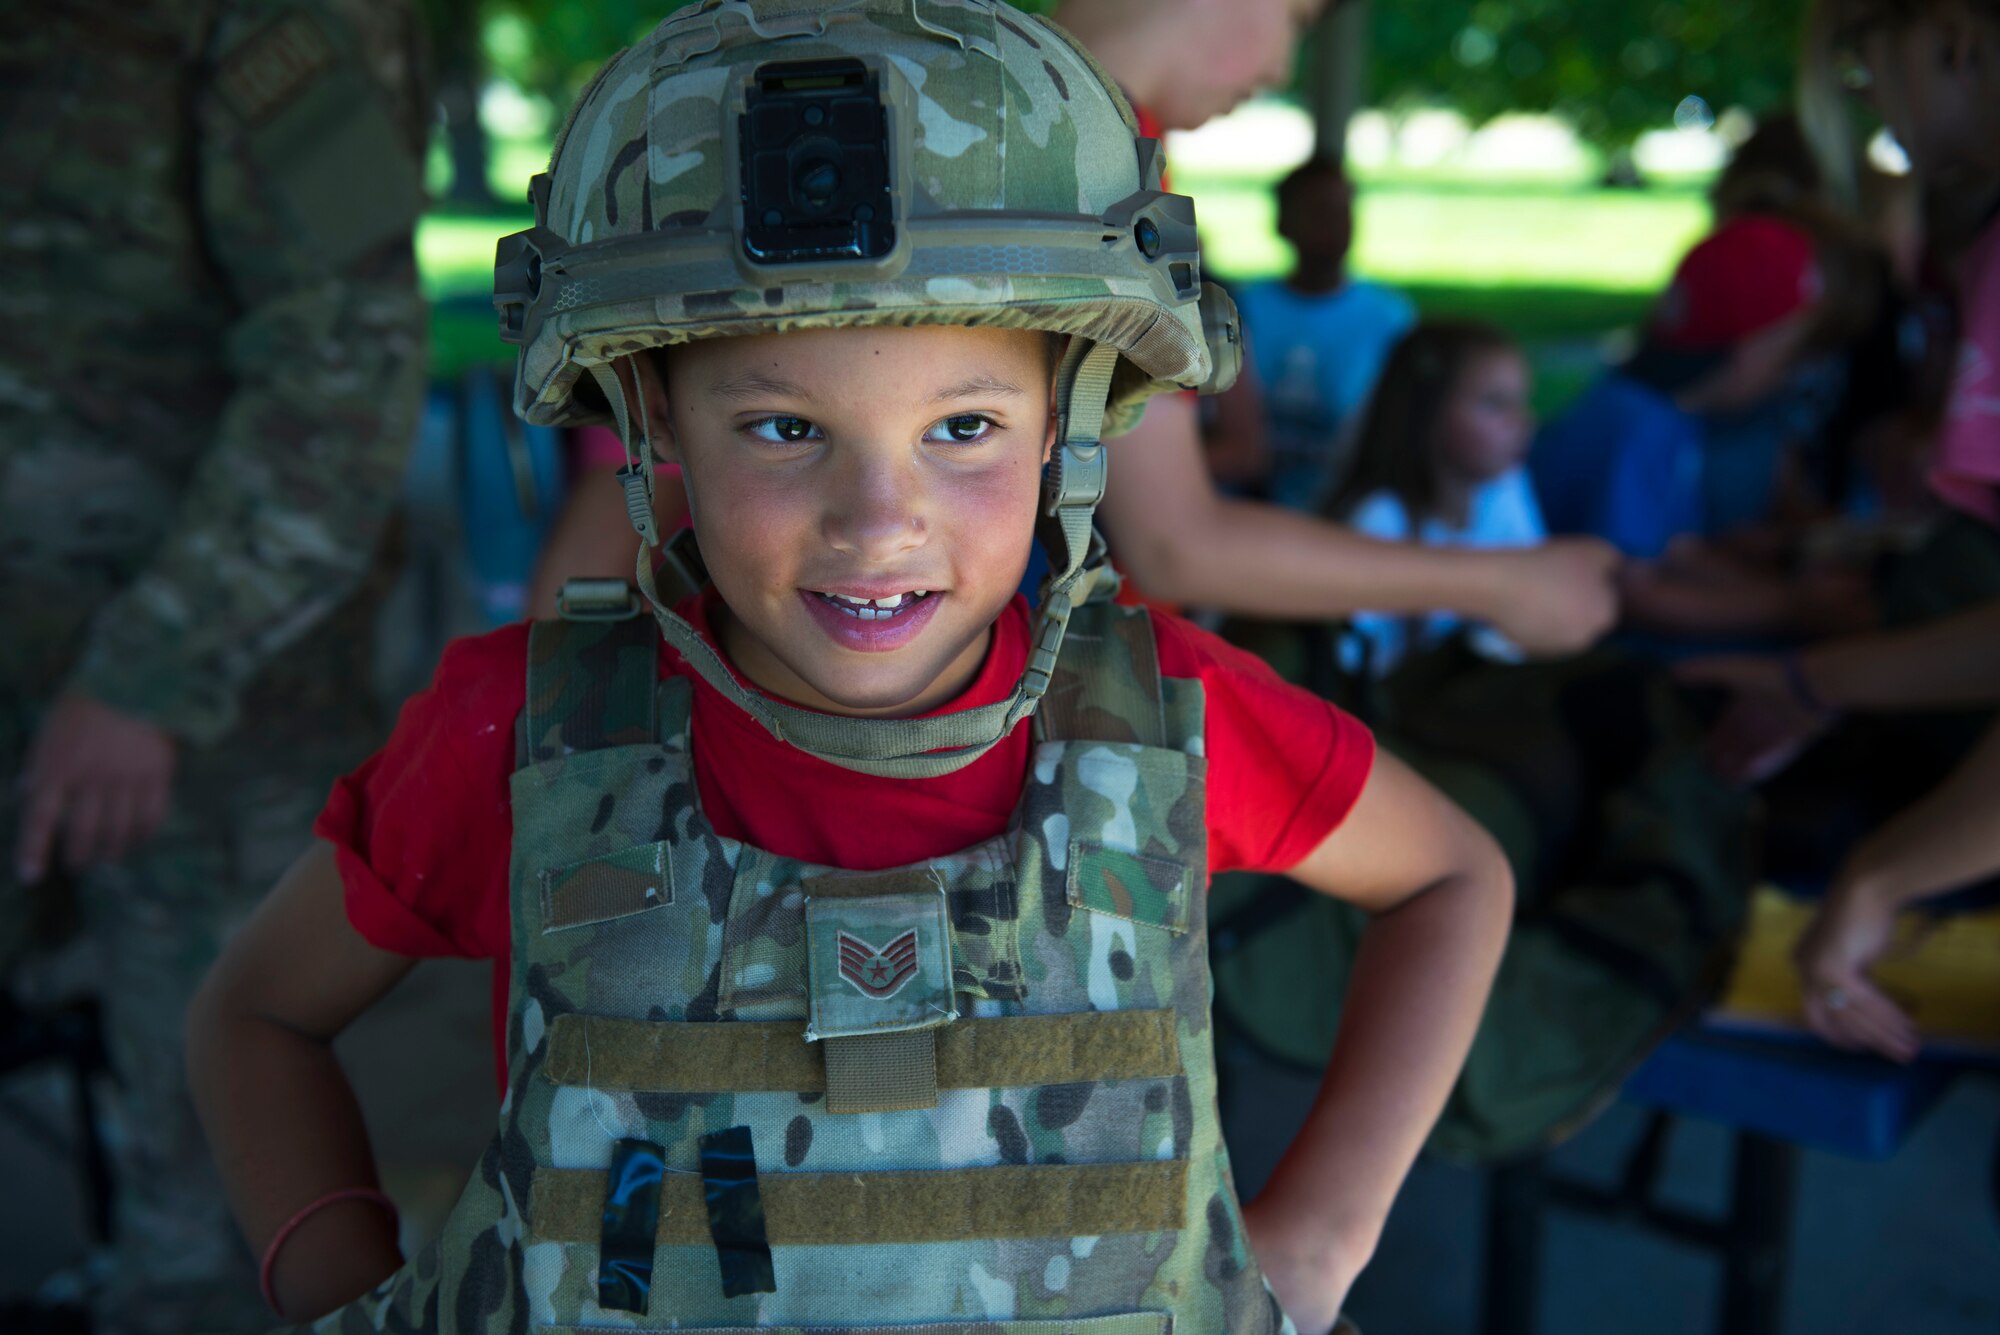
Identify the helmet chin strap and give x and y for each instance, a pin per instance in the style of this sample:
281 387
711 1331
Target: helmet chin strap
904 748
636 477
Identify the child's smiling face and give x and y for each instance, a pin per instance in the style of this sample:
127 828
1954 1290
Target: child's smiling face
864 498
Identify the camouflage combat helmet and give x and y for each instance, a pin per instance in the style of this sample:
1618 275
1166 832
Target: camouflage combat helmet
762 166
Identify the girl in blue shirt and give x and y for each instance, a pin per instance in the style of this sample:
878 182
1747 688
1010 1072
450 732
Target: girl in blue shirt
1439 461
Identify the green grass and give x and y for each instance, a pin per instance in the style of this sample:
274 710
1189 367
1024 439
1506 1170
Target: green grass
455 257
1552 261
1472 234
1539 313
455 251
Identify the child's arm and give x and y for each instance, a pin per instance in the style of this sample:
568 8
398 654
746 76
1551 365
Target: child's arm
1238 448
1724 597
1442 896
280 1116
1183 541
1780 704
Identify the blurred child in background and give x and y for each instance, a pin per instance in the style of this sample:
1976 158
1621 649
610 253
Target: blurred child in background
1631 461
1316 342
1930 69
1680 457
1439 461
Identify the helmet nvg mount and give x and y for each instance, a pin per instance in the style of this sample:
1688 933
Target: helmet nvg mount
762 166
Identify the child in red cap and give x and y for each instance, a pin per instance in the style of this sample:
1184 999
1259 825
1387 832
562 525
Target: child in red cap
1751 276
1629 461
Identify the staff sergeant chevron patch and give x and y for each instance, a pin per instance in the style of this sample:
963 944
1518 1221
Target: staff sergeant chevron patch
878 973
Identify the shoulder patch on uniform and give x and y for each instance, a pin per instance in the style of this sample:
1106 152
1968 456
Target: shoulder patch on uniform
268 70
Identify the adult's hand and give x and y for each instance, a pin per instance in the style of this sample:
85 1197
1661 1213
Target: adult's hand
1834 600
1853 929
1765 726
96 779
1558 598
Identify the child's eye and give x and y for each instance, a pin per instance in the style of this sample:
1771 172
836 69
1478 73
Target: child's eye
783 430
963 429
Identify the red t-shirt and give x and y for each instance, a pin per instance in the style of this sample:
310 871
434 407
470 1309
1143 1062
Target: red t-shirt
424 831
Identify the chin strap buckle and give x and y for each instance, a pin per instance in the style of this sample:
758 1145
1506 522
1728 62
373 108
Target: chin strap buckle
637 481
584 599
1051 625
1078 478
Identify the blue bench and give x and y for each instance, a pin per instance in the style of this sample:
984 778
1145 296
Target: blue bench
1794 1089
1779 1095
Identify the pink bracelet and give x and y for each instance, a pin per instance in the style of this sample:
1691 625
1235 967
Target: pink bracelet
284 1234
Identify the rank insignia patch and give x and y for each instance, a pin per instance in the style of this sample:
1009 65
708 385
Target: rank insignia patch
878 973
877 964
266 74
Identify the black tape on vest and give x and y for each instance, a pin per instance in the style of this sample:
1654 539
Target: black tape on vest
631 1224
736 1212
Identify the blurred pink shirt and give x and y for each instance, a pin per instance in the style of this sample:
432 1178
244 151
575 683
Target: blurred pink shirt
598 447
1966 472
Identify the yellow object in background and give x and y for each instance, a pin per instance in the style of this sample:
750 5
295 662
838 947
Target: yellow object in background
1945 971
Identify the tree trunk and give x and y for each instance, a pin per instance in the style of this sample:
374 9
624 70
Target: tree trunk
1335 76
460 73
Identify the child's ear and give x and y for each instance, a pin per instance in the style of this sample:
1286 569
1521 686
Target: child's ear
1058 344
644 377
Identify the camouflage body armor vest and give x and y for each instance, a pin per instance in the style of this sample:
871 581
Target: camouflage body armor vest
1004 1121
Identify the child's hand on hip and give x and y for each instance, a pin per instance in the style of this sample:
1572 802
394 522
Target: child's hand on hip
1309 1271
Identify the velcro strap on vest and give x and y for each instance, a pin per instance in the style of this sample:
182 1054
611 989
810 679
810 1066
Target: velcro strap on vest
864 1209
1125 1323
629 881
772 1056
881 1072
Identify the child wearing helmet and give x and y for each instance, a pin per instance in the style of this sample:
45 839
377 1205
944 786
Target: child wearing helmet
849 924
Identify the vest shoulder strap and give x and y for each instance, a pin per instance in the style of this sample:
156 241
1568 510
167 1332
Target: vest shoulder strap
591 685
1106 686
675 699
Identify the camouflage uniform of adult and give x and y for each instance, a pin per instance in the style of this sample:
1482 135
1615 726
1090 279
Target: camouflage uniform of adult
974 1096
210 365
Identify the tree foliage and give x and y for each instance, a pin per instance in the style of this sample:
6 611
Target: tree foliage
552 47
1612 69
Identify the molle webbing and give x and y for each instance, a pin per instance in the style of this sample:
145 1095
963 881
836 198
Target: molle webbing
772 1056
881 1072
862 1209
